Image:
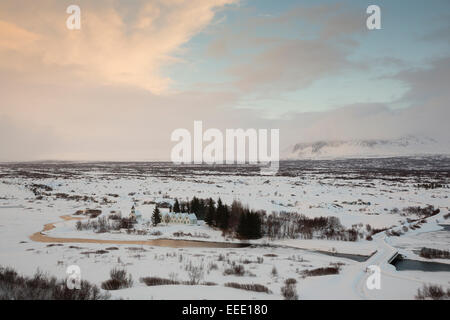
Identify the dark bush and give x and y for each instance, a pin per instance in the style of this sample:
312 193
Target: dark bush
321 271
425 212
432 292
42 287
156 281
248 287
430 253
237 270
288 291
119 280
290 281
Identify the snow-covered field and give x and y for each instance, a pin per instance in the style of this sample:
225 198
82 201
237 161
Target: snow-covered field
355 196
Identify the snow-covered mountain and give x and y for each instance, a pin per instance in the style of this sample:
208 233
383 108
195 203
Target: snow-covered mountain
405 146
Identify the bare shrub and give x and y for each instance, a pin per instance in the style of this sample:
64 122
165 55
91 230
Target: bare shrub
119 280
95 252
194 235
375 230
290 281
274 272
93 213
294 225
249 287
195 273
430 253
288 291
99 225
237 270
321 271
432 292
103 225
213 266
394 233
156 281
173 276
115 216
43 287
425 212
137 249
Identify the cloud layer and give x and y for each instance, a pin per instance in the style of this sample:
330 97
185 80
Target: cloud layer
111 48
102 93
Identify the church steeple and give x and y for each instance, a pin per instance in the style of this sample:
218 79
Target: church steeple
133 213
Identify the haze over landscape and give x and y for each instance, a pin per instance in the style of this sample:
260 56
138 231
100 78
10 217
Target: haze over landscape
117 88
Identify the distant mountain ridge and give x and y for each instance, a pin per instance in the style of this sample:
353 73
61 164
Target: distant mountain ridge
404 146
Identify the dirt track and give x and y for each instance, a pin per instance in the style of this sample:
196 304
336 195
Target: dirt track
40 237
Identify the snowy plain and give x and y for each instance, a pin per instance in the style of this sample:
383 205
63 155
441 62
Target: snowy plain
348 195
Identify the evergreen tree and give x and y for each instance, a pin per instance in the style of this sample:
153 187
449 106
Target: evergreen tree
254 225
250 225
243 226
219 213
194 205
210 212
223 217
236 211
176 206
201 209
156 217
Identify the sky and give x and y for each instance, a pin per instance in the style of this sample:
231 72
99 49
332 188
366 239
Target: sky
137 70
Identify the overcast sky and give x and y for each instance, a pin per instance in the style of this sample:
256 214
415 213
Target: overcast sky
137 70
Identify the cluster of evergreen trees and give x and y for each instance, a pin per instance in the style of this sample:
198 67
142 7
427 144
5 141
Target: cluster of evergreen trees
196 205
236 218
250 224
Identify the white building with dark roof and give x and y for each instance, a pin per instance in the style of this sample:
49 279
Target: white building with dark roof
179 218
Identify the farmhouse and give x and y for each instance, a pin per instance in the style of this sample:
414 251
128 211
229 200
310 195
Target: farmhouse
181 218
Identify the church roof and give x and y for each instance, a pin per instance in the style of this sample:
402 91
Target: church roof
181 215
